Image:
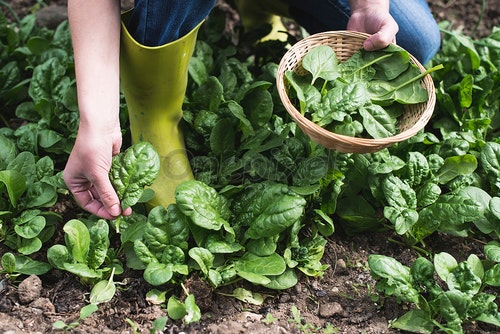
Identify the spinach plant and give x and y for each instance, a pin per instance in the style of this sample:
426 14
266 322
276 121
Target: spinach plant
161 246
14 265
29 186
187 310
86 252
464 298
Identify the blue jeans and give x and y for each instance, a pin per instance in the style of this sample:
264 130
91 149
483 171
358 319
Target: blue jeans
418 31
156 22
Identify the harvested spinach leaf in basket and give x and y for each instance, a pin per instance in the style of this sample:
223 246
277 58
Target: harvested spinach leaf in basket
360 97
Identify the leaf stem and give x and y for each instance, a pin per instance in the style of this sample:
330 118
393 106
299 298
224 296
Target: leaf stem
418 77
376 60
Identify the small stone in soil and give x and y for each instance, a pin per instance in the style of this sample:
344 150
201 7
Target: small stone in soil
29 289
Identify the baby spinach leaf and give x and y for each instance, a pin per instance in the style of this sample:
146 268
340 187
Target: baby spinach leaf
193 312
307 94
463 279
310 171
57 255
455 166
222 137
218 244
143 253
268 209
203 257
321 62
202 204
260 265
258 105
394 278
210 94
490 162
357 69
175 308
348 97
25 163
247 296
415 321
444 264
165 226
309 255
157 273
417 168
83 271
398 193
99 236
15 184
377 121
103 291
492 276
263 246
8 151
427 194
492 251
29 224
402 218
133 170
77 239
284 281
387 68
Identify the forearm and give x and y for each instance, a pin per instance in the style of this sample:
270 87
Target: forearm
95 32
362 4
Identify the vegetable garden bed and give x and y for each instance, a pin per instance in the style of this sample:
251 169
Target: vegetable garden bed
305 240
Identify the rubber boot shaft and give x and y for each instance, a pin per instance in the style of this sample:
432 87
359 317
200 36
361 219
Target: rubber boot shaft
154 81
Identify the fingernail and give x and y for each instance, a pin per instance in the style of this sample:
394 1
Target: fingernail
115 210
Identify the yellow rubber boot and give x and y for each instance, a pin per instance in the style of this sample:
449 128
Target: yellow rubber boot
254 13
154 81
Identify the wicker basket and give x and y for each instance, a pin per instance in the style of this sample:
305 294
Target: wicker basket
345 43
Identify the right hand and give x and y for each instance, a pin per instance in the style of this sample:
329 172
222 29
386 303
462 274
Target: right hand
87 172
373 17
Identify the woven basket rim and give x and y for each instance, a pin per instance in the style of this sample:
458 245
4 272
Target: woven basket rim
337 141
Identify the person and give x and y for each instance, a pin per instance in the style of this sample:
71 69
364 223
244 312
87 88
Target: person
96 27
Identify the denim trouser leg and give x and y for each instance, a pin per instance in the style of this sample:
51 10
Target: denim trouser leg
418 31
157 22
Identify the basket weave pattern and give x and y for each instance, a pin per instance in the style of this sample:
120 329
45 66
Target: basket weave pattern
345 44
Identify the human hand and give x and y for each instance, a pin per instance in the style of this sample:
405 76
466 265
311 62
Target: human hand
376 20
87 172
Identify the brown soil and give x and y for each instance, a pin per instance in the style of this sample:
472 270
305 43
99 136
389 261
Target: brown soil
343 301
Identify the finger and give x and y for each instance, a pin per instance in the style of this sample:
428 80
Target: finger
382 38
91 204
106 194
127 212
